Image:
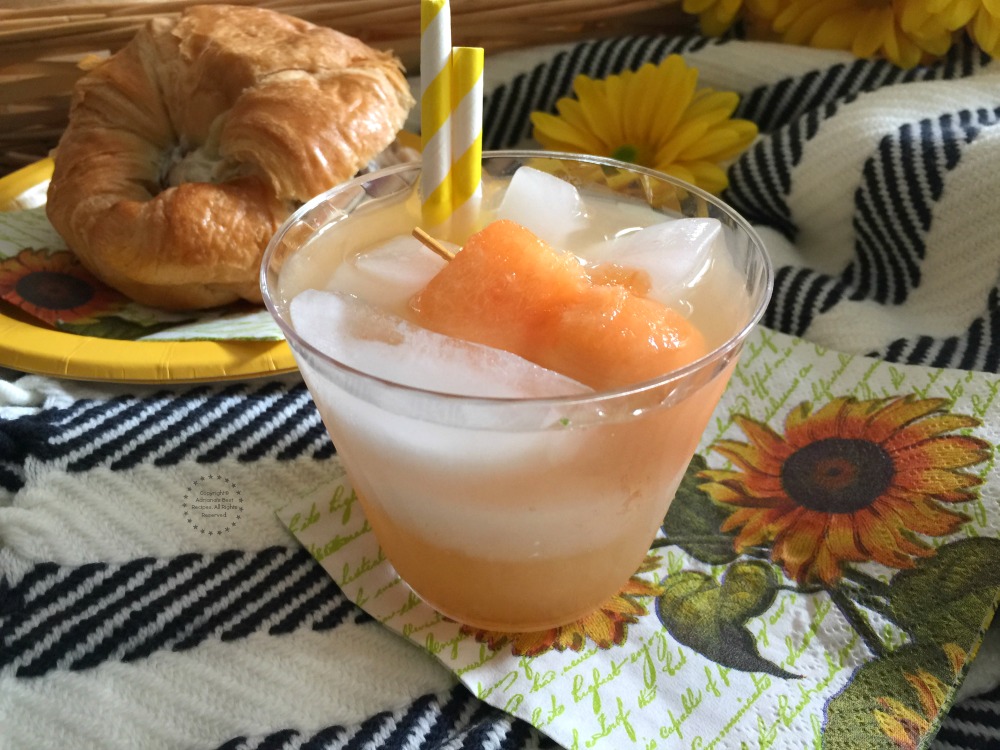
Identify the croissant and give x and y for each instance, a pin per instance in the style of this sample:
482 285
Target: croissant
186 149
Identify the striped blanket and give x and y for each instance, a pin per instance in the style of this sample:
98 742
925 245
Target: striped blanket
123 624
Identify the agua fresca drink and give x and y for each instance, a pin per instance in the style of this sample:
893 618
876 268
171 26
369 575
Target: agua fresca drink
516 422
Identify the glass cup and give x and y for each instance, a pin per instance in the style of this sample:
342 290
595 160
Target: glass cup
515 514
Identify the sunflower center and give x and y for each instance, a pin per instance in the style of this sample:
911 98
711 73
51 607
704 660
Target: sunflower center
627 153
837 475
54 291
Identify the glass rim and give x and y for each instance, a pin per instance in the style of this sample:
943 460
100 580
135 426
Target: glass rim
607 394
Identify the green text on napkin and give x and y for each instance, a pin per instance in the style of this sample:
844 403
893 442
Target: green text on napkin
823 578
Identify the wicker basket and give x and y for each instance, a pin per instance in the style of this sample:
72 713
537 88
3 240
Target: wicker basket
44 49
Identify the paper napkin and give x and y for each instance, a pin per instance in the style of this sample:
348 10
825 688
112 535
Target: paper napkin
46 281
822 579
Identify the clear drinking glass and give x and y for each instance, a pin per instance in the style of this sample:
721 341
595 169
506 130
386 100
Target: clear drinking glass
515 514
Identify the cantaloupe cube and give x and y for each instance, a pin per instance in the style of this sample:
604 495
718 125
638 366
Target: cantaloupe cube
508 289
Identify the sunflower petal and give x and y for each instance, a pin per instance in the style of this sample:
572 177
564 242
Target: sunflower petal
570 638
797 427
709 177
957 656
623 608
762 435
675 89
707 109
880 539
719 475
713 105
931 692
934 481
921 514
724 493
603 630
854 422
725 141
637 587
901 723
748 457
911 545
986 27
802 428
743 518
685 134
493 639
951 452
826 566
559 133
533 644
596 109
739 496
798 543
799 22
914 432
837 32
758 527
675 169
760 486
640 107
875 32
902 411
840 539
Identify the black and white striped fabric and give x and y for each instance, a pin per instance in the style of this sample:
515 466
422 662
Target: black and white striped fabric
124 625
870 184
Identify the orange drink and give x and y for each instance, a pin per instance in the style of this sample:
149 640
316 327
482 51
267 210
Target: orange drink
516 423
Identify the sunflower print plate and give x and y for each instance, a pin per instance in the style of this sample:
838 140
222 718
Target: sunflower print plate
55 319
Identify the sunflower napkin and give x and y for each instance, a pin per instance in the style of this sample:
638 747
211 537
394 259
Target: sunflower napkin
823 577
42 278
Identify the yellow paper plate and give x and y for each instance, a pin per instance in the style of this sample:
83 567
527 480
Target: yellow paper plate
16 184
31 347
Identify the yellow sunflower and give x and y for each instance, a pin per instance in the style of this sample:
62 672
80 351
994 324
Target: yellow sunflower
605 627
654 116
54 287
870 28
856 481
902 724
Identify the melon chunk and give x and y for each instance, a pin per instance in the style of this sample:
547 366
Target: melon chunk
510 290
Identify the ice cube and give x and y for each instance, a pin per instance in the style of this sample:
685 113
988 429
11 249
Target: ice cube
388 275
379 343
675 254
550 207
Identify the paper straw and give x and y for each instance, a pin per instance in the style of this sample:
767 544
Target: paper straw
466 132
435 109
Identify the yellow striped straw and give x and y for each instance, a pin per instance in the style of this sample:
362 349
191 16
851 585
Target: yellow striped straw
466 133
435 109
